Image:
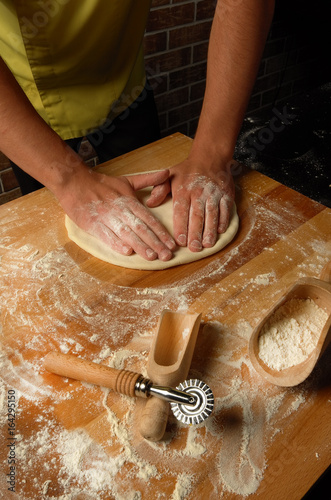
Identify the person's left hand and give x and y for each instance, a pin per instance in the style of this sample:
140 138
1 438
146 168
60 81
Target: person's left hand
202 202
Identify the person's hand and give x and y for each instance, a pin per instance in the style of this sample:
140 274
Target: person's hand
202 202
107 208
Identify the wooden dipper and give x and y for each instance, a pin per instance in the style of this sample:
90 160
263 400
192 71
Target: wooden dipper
168 363
319 290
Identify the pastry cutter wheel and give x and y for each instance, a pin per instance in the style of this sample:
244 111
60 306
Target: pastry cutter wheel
191 402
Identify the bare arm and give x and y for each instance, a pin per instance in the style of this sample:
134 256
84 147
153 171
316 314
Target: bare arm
237 40
27 140
104 206
202 186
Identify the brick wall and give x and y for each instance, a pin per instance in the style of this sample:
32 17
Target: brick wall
176 40
176 45
9 189
295 56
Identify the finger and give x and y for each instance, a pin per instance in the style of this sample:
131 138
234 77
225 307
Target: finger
159 194
225 209
126 234
181 208
105 234
211 223
151 231
136 226
196 223
128 238
140 181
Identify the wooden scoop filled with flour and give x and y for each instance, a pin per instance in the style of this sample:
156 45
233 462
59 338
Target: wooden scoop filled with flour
286 345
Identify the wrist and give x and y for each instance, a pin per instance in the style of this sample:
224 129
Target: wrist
213 154
65 171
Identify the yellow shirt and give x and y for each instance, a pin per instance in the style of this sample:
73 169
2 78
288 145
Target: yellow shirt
78 61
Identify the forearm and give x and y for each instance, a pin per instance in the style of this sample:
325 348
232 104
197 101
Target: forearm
236 44
29 142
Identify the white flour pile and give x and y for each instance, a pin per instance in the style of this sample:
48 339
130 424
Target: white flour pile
291 333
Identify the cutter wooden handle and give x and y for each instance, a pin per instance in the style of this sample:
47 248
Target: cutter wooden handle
153 419
67 365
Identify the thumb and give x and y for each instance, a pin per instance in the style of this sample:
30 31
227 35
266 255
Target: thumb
158 194
140 181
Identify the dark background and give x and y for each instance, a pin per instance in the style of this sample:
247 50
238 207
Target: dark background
299 155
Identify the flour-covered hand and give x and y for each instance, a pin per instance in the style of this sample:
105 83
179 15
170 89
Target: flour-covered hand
107 208
202 202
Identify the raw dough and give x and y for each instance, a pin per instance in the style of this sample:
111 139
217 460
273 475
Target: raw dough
164 213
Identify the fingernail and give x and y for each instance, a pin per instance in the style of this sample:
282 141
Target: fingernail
171 244
127 250
151 254
208 241
182 240
165 255
196 245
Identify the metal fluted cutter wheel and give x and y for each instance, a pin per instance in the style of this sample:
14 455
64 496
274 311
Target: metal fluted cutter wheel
197 413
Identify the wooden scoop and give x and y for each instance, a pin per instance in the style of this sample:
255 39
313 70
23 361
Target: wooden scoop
319 290
168 364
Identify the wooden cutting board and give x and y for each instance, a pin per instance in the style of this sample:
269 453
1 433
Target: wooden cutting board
79 441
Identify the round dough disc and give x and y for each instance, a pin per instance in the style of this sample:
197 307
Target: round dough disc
182 255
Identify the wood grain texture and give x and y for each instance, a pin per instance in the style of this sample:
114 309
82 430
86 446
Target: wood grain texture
54 296
66 365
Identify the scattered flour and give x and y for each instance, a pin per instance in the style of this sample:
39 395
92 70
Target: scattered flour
113 323
291 333
185 333
263 279
232 440
193 448
183 487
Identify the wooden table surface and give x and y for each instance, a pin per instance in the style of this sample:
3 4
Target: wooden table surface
73 440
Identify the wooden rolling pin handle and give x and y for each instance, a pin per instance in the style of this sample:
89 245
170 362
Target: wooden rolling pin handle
326 273
154 419
67 365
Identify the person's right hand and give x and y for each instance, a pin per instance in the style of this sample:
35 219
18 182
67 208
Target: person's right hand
107 208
